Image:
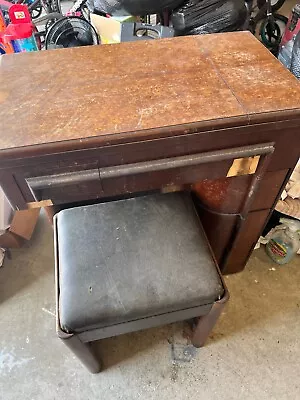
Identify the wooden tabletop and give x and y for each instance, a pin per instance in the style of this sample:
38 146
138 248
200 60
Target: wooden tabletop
108 90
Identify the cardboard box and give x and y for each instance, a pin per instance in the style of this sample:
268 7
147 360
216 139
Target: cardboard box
109 29
21 228
15 226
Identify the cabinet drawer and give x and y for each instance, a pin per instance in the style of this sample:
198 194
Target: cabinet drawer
83 191
158 179
67 182
73 182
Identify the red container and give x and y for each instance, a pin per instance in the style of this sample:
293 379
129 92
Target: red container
21 37
19 14
293 25
20 31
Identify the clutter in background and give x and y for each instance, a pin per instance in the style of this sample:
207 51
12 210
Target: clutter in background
119 29
189 17
52 30
5 45
284 241
289 52
196 17
295 65
140 31
289 205
2 255
6 213
71 32
16 30
16 227
290 198
132 7
120 19
109 29
275 241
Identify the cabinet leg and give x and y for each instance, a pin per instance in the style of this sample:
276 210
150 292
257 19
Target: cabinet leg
206 323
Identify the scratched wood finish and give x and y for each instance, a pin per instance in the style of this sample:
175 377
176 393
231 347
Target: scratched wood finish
116 89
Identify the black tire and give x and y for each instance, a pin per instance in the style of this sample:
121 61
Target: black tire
43 24
275 6
53 6
49 6
272 39
49 23
36 12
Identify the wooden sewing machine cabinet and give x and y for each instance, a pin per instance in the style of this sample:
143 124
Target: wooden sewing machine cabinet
215 114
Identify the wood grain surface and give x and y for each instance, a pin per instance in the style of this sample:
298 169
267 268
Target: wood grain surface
78 93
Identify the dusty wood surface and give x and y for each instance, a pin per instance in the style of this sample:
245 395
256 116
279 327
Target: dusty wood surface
67 94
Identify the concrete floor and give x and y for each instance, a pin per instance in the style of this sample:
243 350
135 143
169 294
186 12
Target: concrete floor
253 353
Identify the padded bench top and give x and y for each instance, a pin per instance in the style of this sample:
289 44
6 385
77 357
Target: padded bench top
129 259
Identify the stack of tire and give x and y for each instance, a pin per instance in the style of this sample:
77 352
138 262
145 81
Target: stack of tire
132 7
188 17
209 16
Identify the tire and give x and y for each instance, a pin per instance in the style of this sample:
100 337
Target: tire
53 6
272 41
36 12
276 4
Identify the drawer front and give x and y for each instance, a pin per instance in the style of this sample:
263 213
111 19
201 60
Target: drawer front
286 152
157 180
61 182
92 184
83 191
72 182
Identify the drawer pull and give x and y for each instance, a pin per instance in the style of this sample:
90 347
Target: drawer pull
73 178
68 178
185 161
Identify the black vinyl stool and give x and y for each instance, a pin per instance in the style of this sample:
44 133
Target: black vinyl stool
132 264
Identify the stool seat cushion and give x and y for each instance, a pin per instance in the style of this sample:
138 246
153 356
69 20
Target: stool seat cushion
125 260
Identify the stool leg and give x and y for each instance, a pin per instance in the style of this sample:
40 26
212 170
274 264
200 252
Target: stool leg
206 323
83 351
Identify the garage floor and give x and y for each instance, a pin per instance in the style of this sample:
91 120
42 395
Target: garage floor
253 353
